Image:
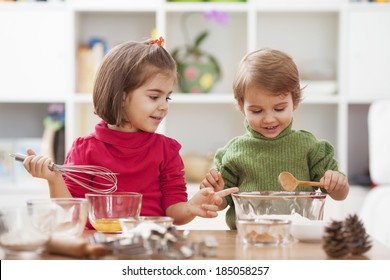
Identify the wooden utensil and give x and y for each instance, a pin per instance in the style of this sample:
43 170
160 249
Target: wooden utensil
290 183
75 247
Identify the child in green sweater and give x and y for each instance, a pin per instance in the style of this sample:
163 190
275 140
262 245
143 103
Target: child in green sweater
267 90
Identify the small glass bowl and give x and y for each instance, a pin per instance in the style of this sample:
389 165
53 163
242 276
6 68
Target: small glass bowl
264 231
105 210
130 223
71 214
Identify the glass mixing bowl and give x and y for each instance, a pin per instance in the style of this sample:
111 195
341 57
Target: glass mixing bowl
279 205
24 232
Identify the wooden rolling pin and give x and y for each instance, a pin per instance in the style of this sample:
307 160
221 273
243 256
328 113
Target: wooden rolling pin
75 247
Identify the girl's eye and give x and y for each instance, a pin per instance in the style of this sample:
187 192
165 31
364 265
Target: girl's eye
279 110
168 99
256 111
153 97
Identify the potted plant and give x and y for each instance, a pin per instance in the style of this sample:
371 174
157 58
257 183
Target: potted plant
198 69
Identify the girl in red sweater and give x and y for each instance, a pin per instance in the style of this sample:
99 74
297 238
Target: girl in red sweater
131 94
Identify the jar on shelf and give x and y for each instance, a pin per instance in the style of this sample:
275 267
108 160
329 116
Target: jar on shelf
198 69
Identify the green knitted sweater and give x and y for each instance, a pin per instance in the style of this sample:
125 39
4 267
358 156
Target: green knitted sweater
253 162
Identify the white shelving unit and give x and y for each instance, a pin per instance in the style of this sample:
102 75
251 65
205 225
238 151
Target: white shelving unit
331 39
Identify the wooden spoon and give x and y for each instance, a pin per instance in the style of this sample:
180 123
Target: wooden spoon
290 183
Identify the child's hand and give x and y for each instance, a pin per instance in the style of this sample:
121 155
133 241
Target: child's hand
38 166
213 180
206 201
336 184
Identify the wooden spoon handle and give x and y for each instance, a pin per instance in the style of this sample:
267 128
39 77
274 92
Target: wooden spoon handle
309 183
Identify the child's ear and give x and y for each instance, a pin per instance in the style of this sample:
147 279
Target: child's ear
124 96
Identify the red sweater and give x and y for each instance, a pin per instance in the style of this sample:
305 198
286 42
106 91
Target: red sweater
148 163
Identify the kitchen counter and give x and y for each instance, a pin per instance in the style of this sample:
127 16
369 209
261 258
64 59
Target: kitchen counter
229 248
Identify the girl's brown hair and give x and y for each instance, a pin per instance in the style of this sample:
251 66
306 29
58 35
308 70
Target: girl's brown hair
270 69
125 68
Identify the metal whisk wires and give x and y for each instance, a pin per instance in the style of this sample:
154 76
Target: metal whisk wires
107 179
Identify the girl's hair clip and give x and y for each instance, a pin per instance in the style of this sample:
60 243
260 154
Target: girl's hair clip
160 41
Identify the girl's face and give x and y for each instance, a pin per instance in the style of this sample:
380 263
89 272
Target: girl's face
147 106
267 113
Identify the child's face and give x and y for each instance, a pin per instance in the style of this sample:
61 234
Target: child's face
147 106
266 113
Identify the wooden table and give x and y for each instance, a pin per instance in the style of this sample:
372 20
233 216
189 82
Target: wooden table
229 248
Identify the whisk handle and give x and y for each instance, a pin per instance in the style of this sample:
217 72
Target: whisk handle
21 157
18 157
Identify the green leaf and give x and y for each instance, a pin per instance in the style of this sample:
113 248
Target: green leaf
200 38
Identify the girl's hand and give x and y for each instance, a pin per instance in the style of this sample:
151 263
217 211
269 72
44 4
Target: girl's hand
213 180
38 166
336 184
206 201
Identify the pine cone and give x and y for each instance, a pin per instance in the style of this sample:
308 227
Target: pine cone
356 237
334 241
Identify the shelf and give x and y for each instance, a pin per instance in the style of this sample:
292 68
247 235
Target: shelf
343 63
319 88
31 6
30 186
32 99
233 7
212 98
81 98
299 5
114 5
363 100
318 100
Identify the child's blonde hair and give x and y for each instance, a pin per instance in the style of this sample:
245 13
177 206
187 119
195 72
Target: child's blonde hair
270 69
125 68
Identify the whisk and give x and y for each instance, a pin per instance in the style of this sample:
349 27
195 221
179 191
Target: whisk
109 184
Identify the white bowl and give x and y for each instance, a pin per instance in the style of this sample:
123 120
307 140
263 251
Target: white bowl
309 231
